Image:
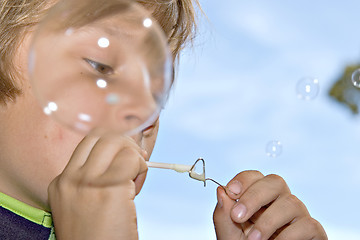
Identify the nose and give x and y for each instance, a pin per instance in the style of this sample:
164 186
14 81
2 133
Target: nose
133 109
133 98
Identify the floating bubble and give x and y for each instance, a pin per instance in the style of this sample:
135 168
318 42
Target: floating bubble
307 88
101 65
355 78
273 148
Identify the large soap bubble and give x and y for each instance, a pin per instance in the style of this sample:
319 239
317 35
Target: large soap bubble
101 66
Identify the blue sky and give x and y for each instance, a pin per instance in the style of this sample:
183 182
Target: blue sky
236 91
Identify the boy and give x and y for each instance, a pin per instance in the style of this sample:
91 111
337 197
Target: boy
85 185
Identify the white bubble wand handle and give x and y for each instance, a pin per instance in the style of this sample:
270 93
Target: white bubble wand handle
181 168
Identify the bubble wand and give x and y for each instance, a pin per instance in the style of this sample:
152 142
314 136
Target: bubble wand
181 168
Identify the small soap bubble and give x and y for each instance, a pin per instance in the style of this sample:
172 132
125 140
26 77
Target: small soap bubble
273 148
307 88
355 78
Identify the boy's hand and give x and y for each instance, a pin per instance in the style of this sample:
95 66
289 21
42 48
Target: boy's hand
93 197
259 208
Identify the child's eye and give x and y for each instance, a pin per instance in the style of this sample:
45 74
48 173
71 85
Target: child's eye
100 67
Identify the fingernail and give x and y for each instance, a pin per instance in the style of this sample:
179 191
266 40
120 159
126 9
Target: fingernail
254 235
239 211
235 187
220 201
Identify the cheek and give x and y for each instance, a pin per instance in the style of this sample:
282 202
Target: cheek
62 142
47 140
53 138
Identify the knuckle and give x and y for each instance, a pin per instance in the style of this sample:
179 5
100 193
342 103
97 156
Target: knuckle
254 173
106 141
122 140
278 181
60 183
276 178
313 225
83 181
266 224
292 201
58 187
130 151
251 197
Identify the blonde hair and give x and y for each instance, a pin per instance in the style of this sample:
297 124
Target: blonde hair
176 17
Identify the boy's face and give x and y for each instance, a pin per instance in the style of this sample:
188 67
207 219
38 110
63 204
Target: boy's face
35 148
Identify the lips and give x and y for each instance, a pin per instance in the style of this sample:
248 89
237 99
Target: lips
139 182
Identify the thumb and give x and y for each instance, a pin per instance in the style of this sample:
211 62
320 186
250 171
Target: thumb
225 227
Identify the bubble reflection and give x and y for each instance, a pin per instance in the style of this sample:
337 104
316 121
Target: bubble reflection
355 78
273 148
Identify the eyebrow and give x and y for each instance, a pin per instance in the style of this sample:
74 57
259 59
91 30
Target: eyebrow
126 30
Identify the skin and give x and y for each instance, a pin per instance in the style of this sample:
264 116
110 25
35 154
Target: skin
89 183
258 207
46 166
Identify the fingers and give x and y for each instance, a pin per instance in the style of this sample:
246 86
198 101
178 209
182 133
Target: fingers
104 152
259 208
304 229
241 182
81 153
226 228
121 169
284 211
99 184
259 194
107 161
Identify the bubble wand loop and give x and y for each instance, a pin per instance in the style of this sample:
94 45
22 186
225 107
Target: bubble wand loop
181 168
